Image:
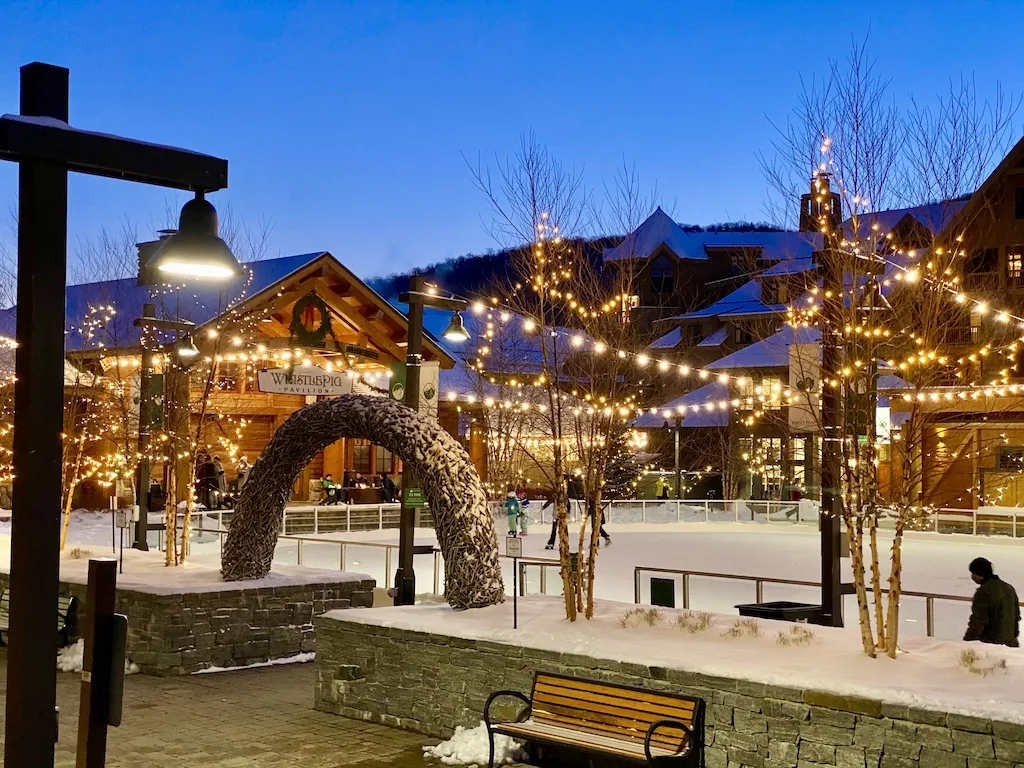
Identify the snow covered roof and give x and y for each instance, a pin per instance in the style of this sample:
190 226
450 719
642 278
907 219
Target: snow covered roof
745 300
772 352
714 392
197 303
715 339
659 229
789 267
934 217
669 340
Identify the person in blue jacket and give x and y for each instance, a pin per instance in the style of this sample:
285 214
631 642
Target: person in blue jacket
512 510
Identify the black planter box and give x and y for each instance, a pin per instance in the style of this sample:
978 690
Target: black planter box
781 610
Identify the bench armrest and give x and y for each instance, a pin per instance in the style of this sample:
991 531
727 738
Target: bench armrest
514 694
665 724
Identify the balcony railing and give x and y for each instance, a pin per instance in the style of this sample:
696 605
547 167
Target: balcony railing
982 281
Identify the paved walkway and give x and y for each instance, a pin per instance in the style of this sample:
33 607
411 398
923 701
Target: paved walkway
247 719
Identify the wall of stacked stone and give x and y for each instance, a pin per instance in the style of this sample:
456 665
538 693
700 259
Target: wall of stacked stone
178 634
432 683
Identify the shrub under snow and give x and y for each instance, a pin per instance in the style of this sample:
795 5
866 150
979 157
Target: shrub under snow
70 659
469 746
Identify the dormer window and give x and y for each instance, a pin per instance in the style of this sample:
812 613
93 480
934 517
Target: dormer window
662 275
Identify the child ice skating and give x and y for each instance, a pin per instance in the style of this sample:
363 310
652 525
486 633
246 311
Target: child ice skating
513 510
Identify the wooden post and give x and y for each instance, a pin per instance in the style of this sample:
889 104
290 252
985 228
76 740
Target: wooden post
94 705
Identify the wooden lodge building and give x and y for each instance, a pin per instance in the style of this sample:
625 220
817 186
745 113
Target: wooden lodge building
308 311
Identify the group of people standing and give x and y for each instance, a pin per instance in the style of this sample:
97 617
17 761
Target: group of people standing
212 486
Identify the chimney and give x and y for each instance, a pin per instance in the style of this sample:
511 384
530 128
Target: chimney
820 201
147 275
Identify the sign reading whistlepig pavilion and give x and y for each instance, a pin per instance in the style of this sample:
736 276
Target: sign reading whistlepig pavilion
305 380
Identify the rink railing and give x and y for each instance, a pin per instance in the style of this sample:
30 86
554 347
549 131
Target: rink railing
349 518
759 582
390 555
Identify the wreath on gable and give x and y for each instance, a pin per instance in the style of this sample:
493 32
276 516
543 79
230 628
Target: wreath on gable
311 322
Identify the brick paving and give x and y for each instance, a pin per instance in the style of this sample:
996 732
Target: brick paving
244 719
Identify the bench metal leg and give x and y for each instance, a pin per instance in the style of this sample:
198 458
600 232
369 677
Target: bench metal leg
490 739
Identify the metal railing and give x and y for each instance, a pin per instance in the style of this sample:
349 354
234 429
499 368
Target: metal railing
975 522
760 581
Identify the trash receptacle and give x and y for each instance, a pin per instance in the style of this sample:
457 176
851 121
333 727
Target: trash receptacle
781 610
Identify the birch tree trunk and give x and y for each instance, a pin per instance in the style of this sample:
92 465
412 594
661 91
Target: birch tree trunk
876 580
857 563
72 484
171 521
595 543
895 581
563 552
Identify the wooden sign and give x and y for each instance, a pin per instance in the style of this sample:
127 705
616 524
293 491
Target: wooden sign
308 380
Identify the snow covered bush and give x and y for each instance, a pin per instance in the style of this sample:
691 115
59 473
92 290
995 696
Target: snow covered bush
795 636
982 664
650 617
743 628
694 623
470 746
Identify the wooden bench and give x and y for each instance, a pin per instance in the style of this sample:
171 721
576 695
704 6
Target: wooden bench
67 610
600 718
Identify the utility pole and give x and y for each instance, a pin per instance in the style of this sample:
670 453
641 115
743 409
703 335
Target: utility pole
830 323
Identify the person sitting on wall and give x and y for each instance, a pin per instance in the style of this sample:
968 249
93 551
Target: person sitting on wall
330 489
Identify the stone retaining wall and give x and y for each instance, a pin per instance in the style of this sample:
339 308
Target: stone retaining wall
178 634
431 683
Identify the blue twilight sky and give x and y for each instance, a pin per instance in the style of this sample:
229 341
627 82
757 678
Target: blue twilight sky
345 122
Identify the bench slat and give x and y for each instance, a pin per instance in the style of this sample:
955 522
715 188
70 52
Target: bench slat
565 696
569 737
649 715
632 726
645 696
615 731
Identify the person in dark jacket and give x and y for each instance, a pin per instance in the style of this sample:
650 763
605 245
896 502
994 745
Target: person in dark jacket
995 611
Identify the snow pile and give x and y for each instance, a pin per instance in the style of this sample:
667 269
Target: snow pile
469 746
299 658
72 658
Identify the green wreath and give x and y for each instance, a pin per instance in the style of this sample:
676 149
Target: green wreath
310 337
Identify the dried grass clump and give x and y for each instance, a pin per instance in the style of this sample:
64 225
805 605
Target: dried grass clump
798 635
78 553
640 616
694 623
981 664
743 628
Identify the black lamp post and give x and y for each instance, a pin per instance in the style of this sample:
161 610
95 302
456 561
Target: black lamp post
47 149
417 298
186 350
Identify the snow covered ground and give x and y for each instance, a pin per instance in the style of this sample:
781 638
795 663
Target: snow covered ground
932 562
928 674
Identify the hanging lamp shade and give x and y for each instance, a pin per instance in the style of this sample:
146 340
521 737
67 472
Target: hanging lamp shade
196 250
186 349
456 330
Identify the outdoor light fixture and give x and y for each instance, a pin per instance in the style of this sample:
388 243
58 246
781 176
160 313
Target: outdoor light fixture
186 348
456 330
196 250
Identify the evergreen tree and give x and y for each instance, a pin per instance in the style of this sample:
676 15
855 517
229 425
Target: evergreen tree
622 471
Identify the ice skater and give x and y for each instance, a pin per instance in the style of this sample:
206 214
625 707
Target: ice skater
512 510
